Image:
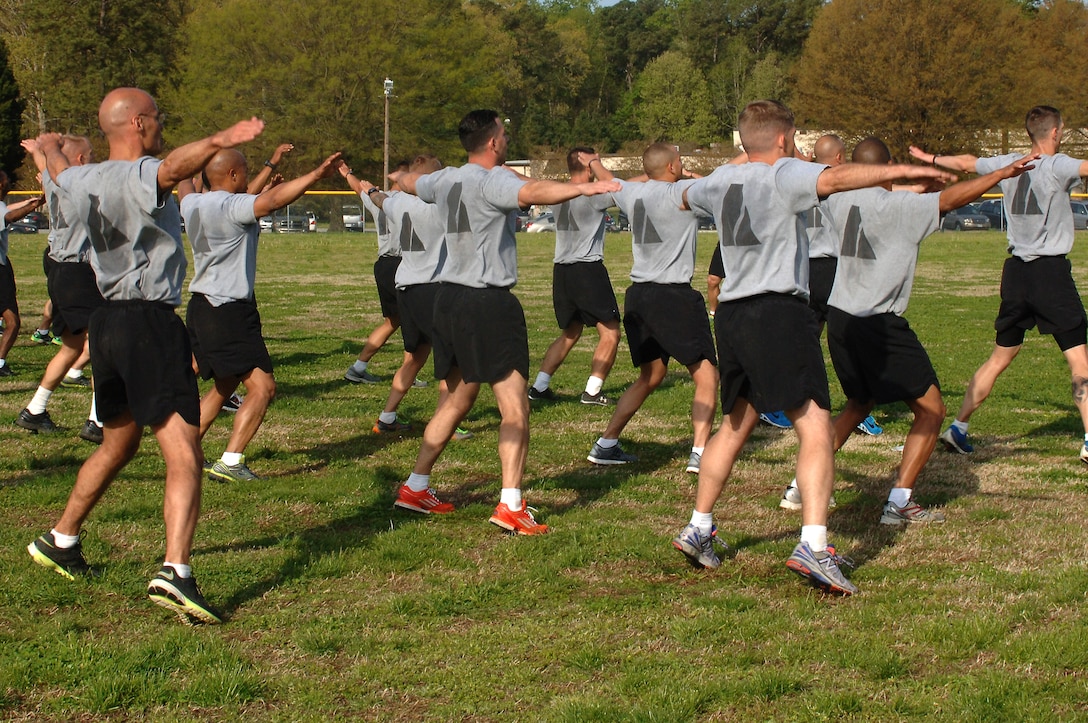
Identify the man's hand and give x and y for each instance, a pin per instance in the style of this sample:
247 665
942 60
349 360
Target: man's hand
49 141
1017 167
923 156
281 150
331 165
239 133
596 188
30 145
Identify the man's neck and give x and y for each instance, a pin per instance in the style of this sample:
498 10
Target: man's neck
769 157
484 160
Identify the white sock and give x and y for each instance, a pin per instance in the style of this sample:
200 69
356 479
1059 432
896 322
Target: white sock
607 443
40 401
64 541
181 570
3 363
962 426
359 366
593 386
703 521
511 497
42 332
93 415
793 483
899 496
698 450
542 381
815 536
230 459
418 482
387 417
74 373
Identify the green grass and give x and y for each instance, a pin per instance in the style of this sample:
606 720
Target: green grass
340 607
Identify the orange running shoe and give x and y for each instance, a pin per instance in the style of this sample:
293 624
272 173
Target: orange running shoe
424 502
520 522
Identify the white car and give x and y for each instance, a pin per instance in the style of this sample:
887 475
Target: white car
540 224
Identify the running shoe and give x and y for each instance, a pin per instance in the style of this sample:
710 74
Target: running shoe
231 403
545 395
363 377
181 595
91 432
424 501
35 422
910 512
870 427
598 399
776 419
461 434
699 549
396 425
223 472
610 455
57 341
791 499
419 383
821 568
956 441
7 371
520 522
1084 453
75 382
693 462
41 336
66 561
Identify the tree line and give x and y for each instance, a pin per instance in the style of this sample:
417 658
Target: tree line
564 72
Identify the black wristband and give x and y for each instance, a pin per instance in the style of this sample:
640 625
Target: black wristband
270 164
373 189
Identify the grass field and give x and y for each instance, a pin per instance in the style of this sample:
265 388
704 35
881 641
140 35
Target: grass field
340 607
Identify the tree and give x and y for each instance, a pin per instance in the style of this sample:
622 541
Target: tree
674 102
11 117
914 71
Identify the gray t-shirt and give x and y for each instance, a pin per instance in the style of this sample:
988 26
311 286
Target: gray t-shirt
223 233
68 240
821 237
3 234
135 234
478 207
387 245
759 213
663 235
879 232
418 229
1037 204
579 229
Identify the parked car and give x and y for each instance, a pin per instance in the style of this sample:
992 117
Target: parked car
706 223
311 221
543 222
993 209
38 218
286 222
965 218
354 220
22 226
619 222
1080 215
522 219
265 223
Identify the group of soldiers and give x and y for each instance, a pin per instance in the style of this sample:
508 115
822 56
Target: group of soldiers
447 265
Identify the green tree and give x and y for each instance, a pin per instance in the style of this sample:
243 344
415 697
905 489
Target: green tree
674 101
11 117
914 71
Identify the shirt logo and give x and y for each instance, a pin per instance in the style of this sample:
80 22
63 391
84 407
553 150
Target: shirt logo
642 228
383 224
1024 202
736 223
565 221
814 218
855 244
409 241
457 221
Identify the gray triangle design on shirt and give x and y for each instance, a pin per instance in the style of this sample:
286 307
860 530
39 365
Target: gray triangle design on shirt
855 244
383 224
1024 202
642 227
409 241
458 214
737 226
197 240
814 218
565 221
106 230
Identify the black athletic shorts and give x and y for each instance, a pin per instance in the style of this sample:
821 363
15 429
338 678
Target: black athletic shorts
878 358
7 289
583 292
47 262
227 339
717 266
416 304
664 321
142 363
1040 293
769 351
385 273
75 295
481 332
821 277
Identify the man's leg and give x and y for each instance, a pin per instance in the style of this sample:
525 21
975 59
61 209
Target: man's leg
211 404
560 348
929 412
11 332
402 382
378 337
260 391
846 421
982 383
514 428
815 461
607 449
180 444
1077 357
705 403
604 356
462 395
35 416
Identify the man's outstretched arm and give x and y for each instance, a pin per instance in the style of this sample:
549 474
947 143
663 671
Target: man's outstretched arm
964 163
967 191
188 160
851 176
289 191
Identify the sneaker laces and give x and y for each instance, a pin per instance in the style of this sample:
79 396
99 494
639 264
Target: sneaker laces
838 559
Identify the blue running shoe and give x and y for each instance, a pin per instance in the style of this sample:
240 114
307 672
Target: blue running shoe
698 549
870 427
956 441
821 568
776 419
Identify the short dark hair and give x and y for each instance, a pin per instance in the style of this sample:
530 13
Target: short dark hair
573 165
1040 119
871 150
476 129
760 121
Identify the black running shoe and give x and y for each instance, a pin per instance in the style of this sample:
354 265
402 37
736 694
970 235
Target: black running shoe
35 422
91 432
546 395
181 595
66 561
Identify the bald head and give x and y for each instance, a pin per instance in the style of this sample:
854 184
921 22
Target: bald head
132 123
220 168
120 106
657 159
829 150
871 150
